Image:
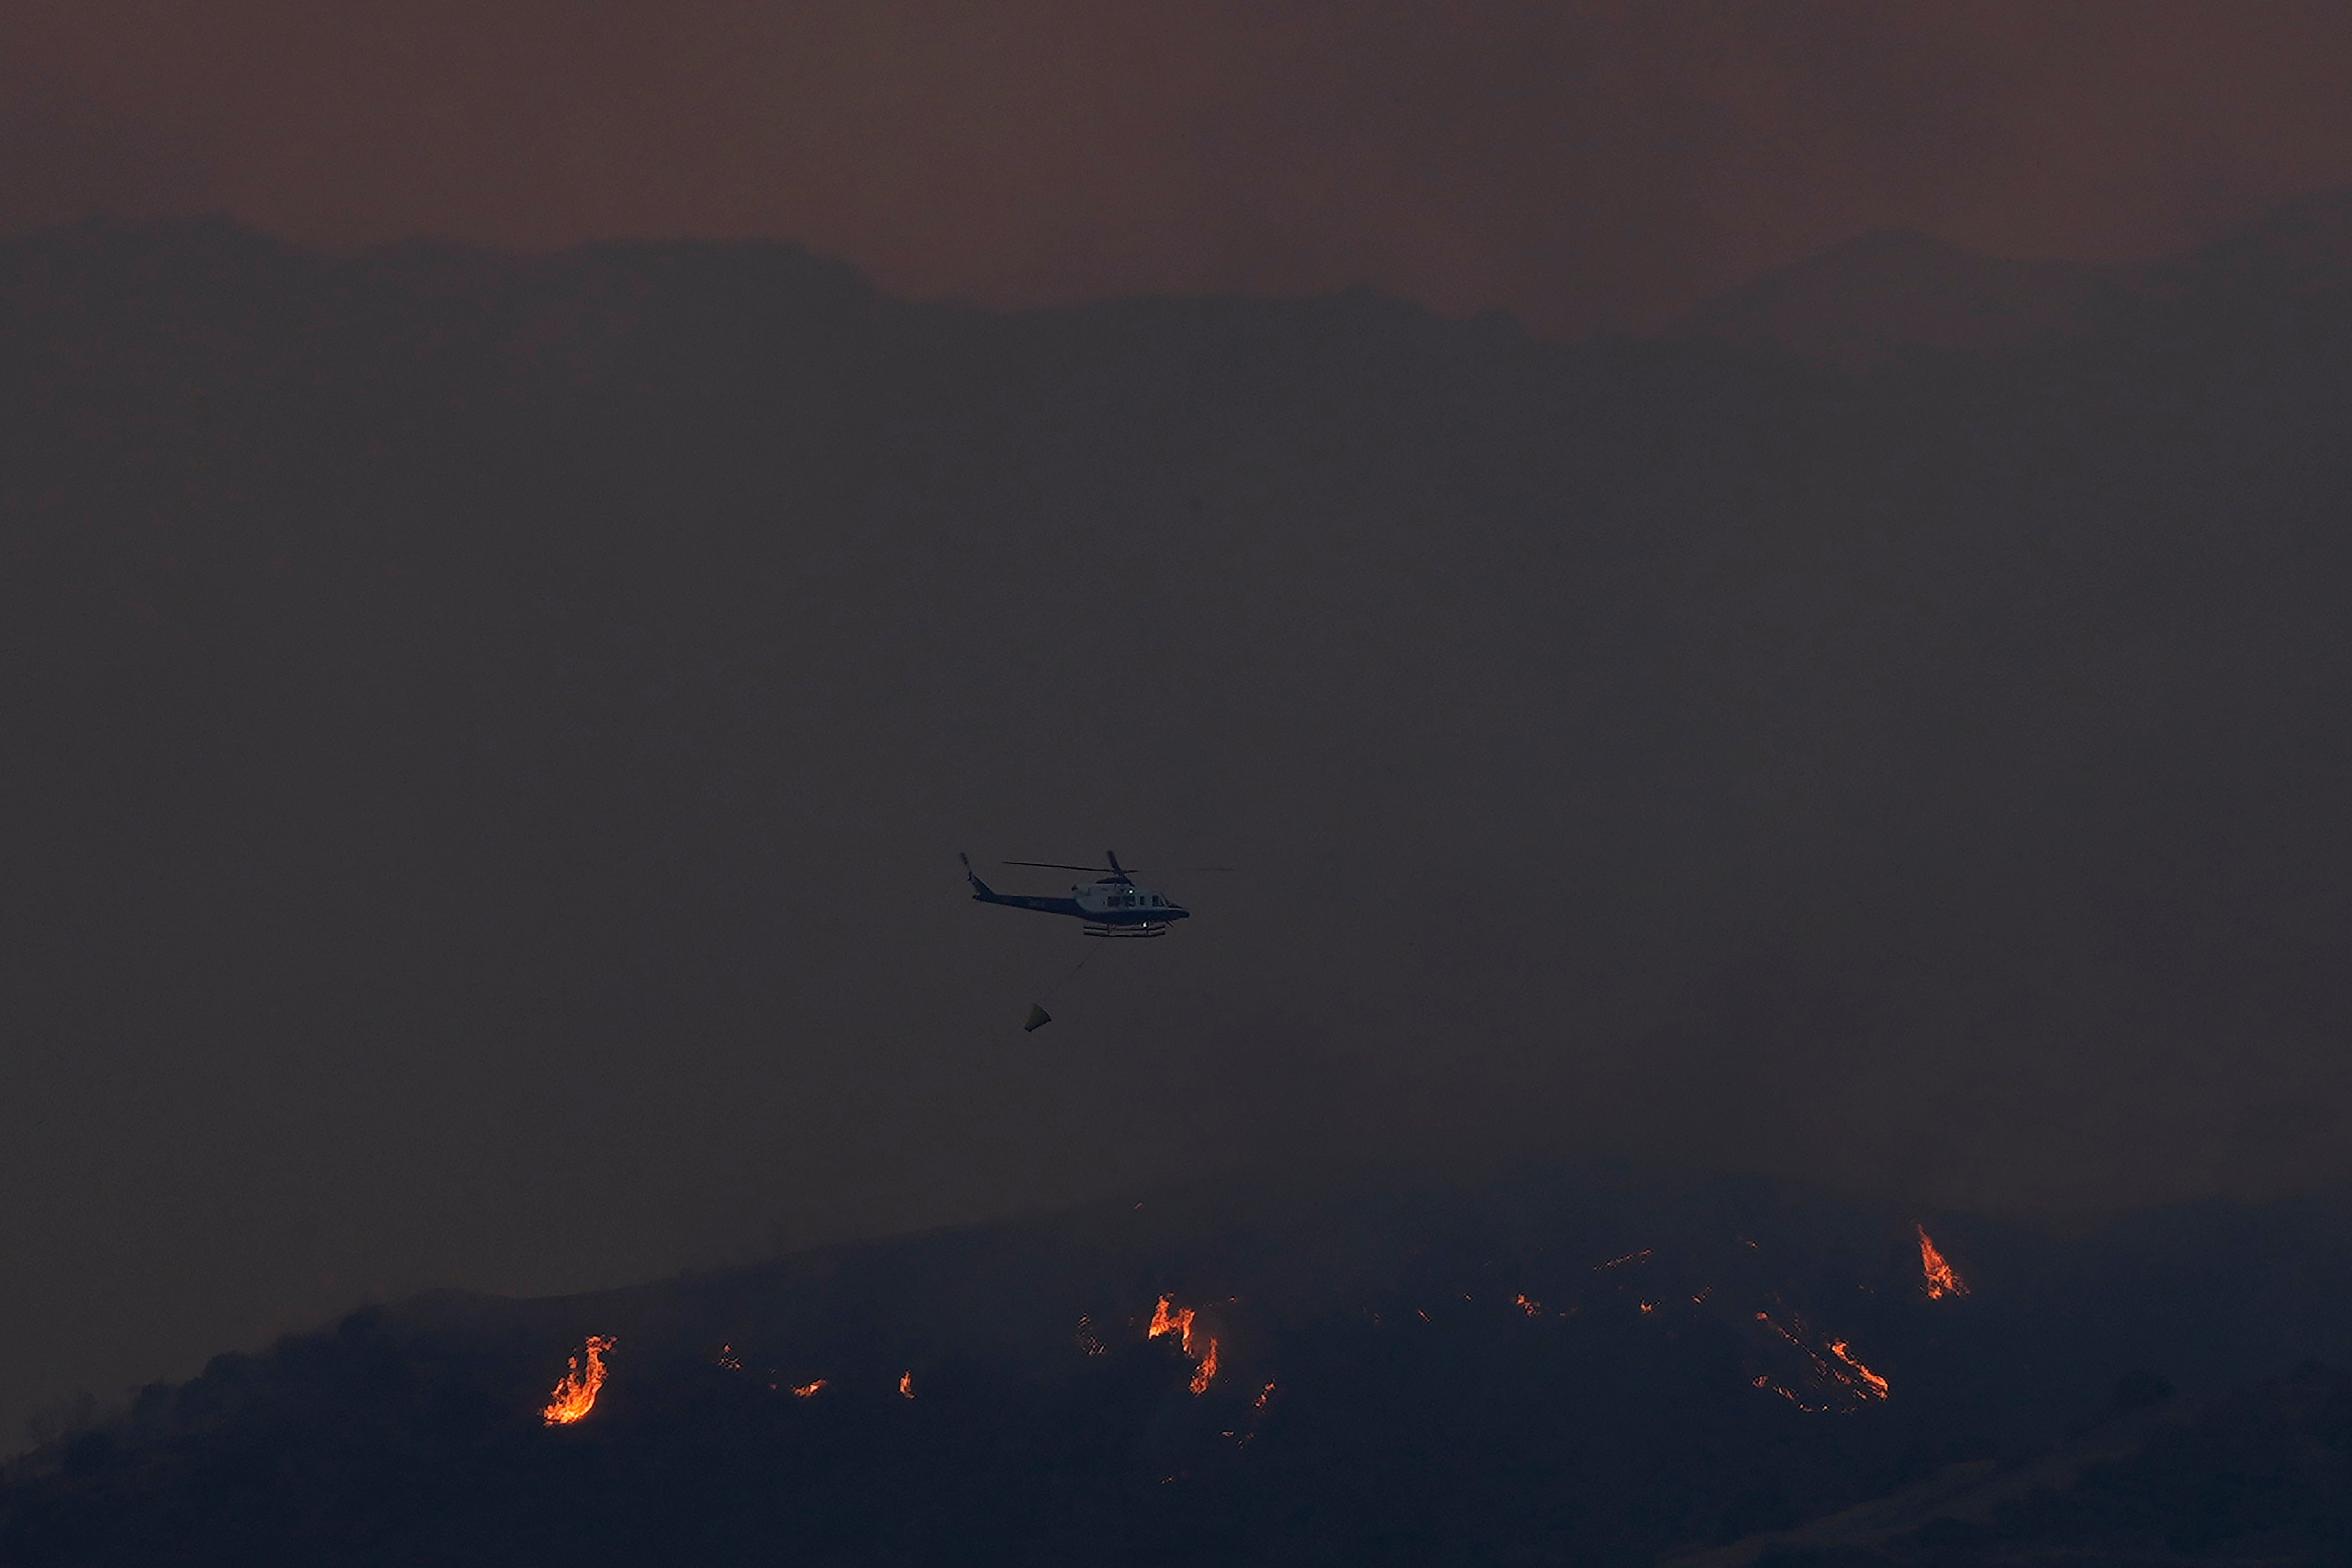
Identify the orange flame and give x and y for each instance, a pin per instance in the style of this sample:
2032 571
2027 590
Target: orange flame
576 1395
1826 1371
1532 1308
1180 1323
1206 1373
1163 1321
1941 1280
1877 1386
907 1386
808 1390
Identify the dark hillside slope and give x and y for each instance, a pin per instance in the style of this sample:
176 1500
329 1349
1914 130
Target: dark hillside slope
1542 1370
2264 1474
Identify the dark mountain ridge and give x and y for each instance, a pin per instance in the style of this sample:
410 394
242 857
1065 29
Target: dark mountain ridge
1895 292
1467 1375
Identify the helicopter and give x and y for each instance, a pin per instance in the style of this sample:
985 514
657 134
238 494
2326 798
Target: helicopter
1112 905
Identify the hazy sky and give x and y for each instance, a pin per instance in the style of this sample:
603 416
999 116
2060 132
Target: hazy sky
1580 164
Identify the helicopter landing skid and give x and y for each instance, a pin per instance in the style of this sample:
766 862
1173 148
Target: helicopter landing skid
1129 933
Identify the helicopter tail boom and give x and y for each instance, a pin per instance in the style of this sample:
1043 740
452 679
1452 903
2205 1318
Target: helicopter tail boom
983 893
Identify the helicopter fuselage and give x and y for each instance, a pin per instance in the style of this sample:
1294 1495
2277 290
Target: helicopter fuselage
1112 906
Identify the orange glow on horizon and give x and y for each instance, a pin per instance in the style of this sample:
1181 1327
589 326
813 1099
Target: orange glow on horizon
576 1395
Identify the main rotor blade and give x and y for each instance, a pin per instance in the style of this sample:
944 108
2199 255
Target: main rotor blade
1057 866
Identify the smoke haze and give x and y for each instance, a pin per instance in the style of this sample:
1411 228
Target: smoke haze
497 735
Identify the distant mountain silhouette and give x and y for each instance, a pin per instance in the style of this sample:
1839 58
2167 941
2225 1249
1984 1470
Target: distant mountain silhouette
2304 250
1882 294
1537 1368
1859 303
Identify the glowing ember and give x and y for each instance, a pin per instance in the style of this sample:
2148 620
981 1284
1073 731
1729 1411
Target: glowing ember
576 1395
1619 1262
1256 1417
1874 1385
808 1390
1532 1308
1941 1280
906 1385
728 1359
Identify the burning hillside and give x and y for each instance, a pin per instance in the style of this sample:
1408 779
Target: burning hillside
1563 1373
